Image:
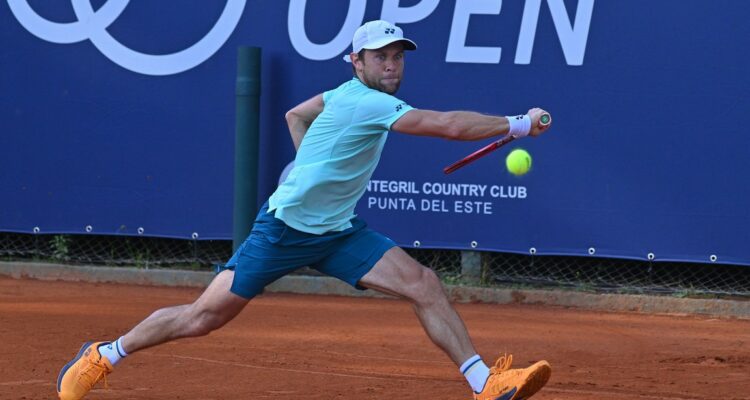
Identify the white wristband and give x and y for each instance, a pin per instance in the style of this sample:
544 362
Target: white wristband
520 125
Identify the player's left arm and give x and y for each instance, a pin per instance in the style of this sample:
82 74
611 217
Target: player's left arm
461 125
302 116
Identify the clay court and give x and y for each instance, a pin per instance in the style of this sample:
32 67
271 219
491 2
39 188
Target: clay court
325 347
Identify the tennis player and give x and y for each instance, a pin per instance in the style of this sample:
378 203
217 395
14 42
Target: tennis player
309 221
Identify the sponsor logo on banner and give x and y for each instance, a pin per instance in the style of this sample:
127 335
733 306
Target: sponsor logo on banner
440 197
92 25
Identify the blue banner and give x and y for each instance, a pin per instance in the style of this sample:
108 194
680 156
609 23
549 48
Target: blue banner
117 117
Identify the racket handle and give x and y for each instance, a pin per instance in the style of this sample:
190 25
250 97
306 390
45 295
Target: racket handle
545 120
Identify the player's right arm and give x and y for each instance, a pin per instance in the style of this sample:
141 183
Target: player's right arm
461 125
302 116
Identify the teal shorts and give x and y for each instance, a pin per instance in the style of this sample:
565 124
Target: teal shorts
274 249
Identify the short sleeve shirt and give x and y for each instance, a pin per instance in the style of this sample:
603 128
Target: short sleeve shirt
336 158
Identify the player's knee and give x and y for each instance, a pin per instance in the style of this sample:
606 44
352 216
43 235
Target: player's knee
431 279
203 322
427 289
204 325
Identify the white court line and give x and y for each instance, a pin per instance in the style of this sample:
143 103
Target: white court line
353 355
16 383
623 394
386 358
383 377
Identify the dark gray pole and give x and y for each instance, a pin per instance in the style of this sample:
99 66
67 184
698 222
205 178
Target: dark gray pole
246 142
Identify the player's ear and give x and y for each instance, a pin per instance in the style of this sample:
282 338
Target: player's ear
358 60
353 59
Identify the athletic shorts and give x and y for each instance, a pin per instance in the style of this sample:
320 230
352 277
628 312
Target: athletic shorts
274 249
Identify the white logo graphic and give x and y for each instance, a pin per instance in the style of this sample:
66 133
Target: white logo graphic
93 25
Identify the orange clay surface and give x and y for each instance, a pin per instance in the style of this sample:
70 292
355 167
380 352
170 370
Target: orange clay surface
319 347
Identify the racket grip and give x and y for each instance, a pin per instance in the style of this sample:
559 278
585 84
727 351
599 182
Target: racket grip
545 120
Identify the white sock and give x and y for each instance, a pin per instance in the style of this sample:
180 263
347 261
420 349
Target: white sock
113 351
476 372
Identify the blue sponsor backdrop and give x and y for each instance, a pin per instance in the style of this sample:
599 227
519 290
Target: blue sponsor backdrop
648 152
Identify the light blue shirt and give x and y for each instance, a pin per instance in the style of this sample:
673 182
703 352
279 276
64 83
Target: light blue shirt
336 158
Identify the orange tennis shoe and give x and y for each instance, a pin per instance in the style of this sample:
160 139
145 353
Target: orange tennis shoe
80 375
514 384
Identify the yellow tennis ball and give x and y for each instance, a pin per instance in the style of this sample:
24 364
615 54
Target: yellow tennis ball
518 162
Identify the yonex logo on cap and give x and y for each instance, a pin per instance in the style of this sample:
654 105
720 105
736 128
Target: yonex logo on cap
390 31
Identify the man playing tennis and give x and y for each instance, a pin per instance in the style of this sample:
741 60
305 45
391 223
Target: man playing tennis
309 221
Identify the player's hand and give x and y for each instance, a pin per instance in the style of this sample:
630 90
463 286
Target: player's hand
537 128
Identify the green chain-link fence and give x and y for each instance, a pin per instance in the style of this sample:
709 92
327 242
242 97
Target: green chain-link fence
497 269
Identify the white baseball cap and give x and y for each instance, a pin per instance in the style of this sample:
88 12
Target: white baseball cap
376 34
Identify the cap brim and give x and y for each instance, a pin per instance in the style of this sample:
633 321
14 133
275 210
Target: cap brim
408 45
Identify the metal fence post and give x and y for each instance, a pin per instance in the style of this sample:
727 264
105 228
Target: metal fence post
471 267
247 128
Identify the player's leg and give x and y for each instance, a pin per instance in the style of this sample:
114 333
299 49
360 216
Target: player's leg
214 308
366 258
399 274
